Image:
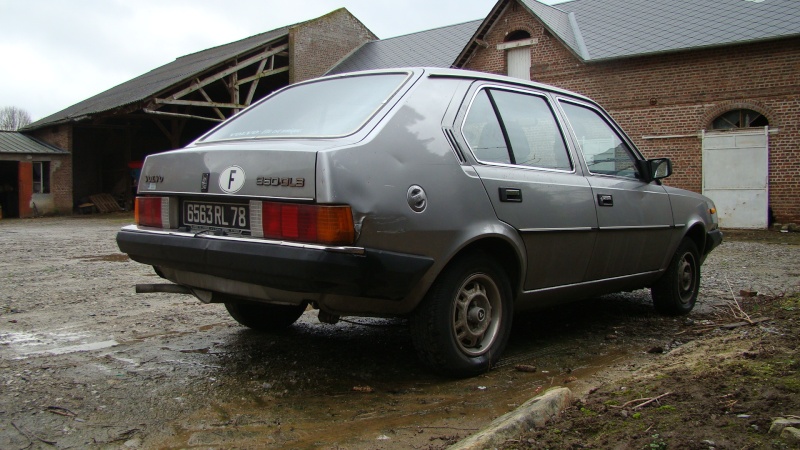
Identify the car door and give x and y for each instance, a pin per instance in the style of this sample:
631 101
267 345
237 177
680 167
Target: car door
533 183
634 216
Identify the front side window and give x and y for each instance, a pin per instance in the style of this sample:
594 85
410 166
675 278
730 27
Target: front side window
326 108
603 150
501 120
41 177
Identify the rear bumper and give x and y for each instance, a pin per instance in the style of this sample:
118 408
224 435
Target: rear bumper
290 267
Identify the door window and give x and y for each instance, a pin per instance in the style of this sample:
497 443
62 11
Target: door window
603 150
500 120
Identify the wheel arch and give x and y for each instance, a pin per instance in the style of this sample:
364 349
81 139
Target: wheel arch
501 250
697 233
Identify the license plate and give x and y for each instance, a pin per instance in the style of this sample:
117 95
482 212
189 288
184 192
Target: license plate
217 216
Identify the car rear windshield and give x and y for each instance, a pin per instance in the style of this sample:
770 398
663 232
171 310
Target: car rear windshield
325 108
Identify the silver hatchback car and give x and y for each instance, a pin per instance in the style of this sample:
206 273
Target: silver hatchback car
449 197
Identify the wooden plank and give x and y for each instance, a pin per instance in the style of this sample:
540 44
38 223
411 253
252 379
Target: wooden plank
105 203
731 326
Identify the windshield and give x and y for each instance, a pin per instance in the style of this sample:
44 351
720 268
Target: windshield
327 108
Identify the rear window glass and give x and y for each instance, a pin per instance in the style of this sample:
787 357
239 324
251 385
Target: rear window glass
327 108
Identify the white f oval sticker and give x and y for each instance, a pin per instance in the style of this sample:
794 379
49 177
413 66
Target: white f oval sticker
231 179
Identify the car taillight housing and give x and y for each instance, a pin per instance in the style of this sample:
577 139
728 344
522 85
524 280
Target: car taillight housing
321 224
157 212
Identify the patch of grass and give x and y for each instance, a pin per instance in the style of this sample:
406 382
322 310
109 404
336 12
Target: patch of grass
657 443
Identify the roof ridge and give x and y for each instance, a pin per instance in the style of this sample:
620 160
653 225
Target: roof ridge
240 40
583 51
428 30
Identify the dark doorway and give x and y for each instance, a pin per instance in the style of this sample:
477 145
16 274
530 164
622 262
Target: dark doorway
9 188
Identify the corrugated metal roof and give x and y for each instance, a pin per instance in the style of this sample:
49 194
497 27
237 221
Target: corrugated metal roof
160 79
609 29
431 48
13 142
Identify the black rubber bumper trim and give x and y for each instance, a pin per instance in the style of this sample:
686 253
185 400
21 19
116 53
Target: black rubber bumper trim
714 239
375 274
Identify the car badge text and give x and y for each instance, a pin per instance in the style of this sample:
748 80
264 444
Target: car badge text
285 182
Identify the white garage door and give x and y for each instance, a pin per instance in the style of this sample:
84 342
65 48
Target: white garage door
736 175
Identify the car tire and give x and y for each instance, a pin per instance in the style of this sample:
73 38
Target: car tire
264 316
462 325
675 293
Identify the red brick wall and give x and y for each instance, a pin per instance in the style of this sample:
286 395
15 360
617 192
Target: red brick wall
317 45
60 166
677 94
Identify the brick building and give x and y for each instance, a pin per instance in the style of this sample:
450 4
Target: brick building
715 86
103 137
34 176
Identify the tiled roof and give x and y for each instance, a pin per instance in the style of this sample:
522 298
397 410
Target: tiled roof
607 29
13 142
160 79
432 48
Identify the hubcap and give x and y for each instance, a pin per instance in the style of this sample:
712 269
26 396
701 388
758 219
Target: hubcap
686 277
477 314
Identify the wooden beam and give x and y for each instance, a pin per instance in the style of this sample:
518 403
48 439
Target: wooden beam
254 84
185 116
234 90
263 74
225 73
208 98
167 101
163 128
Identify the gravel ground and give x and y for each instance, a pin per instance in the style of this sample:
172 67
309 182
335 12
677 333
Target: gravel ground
85 362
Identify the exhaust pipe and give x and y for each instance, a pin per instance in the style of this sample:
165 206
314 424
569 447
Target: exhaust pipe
168 288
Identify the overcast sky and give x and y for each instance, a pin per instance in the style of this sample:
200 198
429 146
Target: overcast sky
55 53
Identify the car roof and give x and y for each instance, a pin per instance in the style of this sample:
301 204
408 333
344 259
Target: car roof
466 74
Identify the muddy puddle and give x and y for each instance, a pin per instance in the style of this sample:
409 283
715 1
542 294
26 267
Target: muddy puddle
360 385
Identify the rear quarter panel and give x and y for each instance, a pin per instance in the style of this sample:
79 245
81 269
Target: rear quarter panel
409 148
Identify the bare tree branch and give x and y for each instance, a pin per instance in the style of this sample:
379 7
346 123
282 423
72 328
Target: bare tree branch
13 118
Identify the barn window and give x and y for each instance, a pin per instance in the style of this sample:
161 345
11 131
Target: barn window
517 36
739 118
41 177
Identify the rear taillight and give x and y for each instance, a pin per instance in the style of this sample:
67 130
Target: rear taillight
158 212
321 224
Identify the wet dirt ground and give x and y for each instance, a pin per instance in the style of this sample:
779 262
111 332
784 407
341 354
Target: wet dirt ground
86 362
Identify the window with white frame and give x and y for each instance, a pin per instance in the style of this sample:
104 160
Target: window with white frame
41 177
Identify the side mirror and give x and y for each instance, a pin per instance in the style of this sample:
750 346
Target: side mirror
655 169
659 168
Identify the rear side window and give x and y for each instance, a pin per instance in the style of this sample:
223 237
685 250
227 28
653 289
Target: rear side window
603 150
326 108
510 127
483 133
